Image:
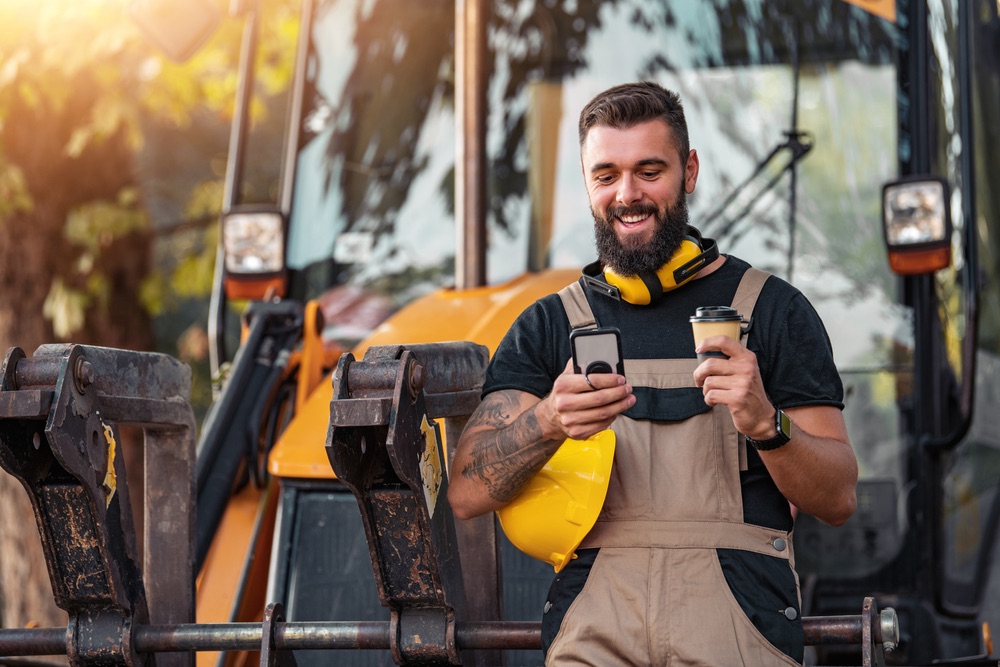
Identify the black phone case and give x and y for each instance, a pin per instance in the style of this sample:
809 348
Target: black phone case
594 347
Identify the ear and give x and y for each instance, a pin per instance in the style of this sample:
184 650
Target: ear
691 171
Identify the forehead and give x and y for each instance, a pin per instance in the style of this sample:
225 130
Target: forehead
652 139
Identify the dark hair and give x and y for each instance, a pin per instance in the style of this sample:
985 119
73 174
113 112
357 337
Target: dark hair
629 104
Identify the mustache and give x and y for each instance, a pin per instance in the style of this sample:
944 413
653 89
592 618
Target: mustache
619 210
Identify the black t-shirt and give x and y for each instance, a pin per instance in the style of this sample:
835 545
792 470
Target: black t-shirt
792 347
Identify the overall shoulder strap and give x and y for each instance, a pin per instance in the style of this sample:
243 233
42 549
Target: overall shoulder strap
749 289
578 310
744 301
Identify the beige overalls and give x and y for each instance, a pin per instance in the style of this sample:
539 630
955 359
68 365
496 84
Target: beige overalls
656 594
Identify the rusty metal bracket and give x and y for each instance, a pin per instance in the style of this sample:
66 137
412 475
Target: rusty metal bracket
270 654
59 417
879 633
385 444
876 631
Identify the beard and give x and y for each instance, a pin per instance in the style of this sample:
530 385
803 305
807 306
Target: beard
634 256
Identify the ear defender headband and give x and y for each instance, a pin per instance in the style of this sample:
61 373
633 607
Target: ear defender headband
693 255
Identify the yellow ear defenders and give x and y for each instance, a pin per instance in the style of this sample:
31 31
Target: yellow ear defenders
641 290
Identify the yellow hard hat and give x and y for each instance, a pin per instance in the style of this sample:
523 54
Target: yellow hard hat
560 504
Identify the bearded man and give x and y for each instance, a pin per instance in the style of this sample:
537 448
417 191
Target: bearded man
690 560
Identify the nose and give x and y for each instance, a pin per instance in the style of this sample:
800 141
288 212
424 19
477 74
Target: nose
628 190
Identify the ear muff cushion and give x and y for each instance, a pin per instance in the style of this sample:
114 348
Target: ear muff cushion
688 251
631 289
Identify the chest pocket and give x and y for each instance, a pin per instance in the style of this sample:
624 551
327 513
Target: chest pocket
667 404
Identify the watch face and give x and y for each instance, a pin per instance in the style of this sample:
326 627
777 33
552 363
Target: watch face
784 424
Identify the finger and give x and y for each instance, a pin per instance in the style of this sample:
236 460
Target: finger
724 344
581 404
569 382
604 380
582 423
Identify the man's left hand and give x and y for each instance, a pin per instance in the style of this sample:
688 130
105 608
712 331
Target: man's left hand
736 383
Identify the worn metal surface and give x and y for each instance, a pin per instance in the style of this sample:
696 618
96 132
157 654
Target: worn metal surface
472 64
270 654
346 635
385 444
59 416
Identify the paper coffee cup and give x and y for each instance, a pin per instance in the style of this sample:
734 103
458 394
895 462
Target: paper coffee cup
711 321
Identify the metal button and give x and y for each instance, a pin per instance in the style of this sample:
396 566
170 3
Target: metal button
779 543
790 613
548 605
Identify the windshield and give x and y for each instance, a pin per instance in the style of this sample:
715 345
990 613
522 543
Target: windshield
791 107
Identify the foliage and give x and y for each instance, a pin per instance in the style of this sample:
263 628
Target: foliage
85 68
14 194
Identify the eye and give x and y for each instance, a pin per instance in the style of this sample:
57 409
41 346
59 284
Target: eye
604 179
650 174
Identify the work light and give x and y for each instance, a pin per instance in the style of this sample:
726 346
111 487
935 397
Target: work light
917 225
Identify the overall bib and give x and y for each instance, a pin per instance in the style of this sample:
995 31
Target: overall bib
679 578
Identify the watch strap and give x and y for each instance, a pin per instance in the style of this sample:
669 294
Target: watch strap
782 433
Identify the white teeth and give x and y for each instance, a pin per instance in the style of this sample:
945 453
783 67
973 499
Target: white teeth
632 219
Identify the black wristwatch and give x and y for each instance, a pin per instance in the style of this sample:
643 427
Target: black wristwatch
783 433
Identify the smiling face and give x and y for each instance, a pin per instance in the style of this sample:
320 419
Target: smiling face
637 183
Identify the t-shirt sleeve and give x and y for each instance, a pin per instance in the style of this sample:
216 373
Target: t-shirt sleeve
798 367
533 352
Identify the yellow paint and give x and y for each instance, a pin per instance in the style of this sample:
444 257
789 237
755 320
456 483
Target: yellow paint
884 8
312 359
430 463
110 483
480 315
237 543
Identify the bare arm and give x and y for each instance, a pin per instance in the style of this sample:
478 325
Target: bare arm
512 434
816 470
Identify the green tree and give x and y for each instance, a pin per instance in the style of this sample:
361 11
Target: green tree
105 146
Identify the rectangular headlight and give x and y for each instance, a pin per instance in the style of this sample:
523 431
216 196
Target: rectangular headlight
254 242
916 223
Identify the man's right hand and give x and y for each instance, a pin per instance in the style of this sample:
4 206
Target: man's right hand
512 434
581 405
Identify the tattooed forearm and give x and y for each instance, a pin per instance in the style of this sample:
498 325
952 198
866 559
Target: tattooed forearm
510 451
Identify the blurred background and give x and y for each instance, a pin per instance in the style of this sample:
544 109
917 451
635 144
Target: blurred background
112 159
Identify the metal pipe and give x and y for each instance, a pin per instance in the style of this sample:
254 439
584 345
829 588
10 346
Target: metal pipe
33 641
41 372
347 635
330 635
232 183
525 635
470 143
830 630
198 637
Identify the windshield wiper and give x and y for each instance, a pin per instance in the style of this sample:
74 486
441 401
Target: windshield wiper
797 144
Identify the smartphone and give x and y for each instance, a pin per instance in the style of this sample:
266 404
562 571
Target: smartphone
597 351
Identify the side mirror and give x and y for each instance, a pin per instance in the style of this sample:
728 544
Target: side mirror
176 27
253 244
916 222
